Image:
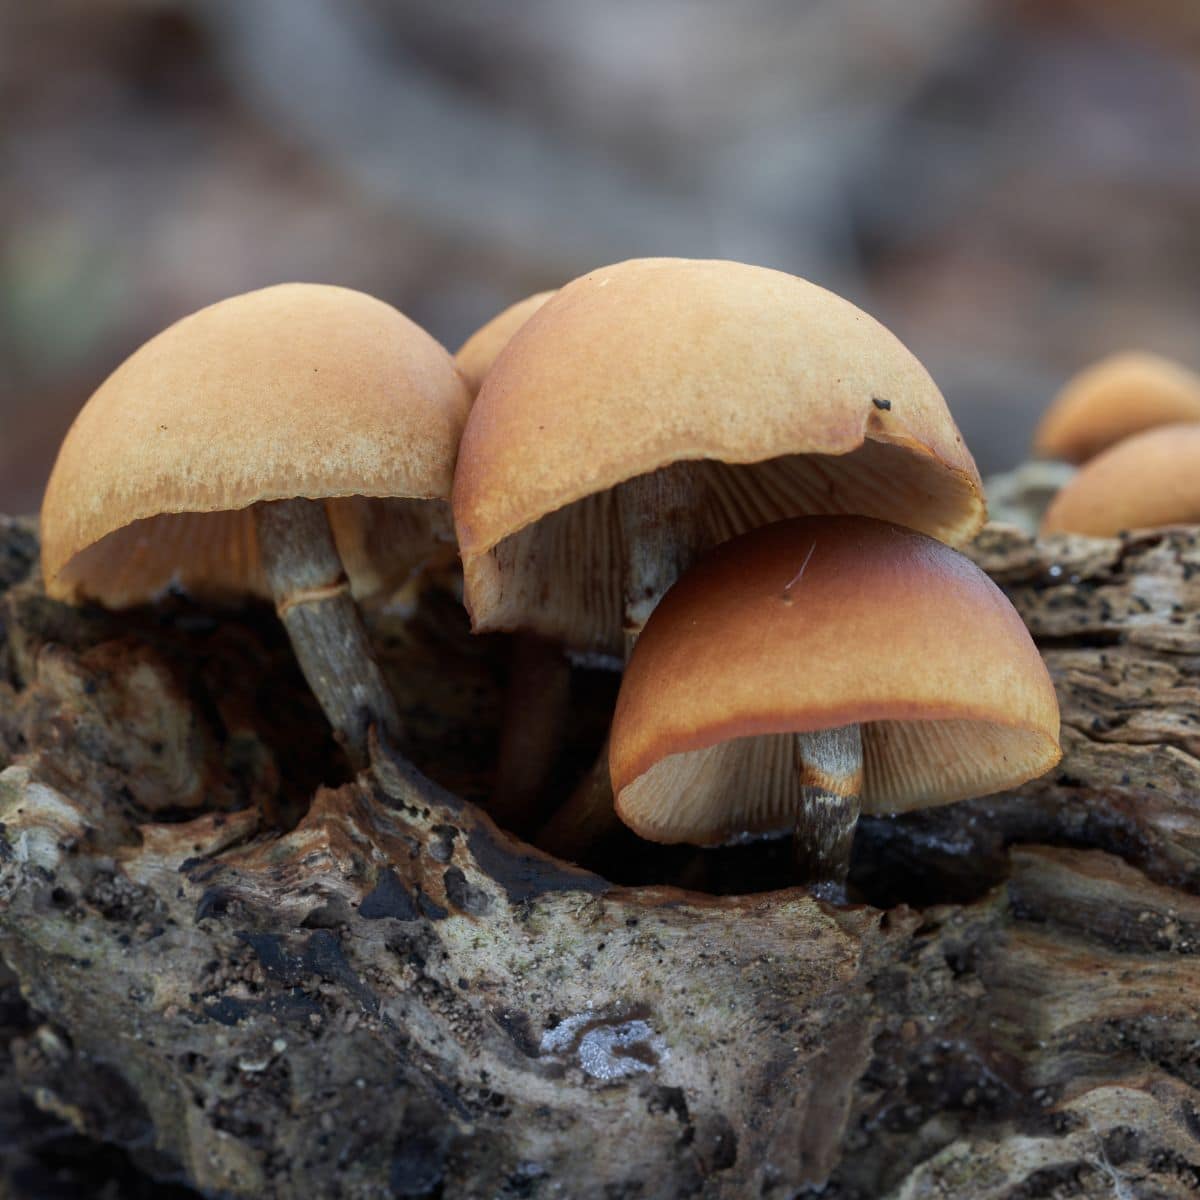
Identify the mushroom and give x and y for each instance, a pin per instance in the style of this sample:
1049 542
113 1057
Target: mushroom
295 443
476 355
1144 482
539 673
1113 399
721 396
651 409
818 665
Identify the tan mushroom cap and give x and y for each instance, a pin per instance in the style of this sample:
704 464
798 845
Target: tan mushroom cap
476 355
1144 482
815 624
797 400
1114 399
296 390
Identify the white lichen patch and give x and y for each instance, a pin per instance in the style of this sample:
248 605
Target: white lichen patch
607 1050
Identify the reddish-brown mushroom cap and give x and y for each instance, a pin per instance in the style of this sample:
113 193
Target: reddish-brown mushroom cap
1113 399
783 398
813 624
1144 482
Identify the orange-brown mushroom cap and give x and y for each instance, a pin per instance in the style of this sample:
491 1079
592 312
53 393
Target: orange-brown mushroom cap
815 624
296 390
1144 482
476 355
789 399
1113 399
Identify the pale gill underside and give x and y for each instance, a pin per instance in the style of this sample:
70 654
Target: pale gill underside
750 785
215 555
561 576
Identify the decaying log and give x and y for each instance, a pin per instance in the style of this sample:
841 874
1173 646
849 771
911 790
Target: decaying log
256 977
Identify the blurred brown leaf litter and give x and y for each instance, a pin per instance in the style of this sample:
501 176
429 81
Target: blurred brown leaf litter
1012 185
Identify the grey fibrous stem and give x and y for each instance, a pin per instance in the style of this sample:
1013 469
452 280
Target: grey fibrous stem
536 705
312 597
663 531
830 766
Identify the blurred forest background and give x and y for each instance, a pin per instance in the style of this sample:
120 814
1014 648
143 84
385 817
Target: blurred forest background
1013 186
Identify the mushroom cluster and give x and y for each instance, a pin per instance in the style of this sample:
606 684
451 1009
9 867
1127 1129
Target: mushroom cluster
656 408
1112 400
731 483
1130 424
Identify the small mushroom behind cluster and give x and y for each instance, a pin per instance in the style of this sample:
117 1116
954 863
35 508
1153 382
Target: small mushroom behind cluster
295 443
1113 399
1144 482
652 409
476 355
538 692
819 665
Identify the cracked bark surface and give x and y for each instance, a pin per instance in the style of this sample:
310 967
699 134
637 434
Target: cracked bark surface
245 975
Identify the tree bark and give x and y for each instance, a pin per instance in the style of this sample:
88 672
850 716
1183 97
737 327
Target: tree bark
376 992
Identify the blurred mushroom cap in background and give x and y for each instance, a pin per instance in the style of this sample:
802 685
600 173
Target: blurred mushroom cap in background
1113 399
1145 482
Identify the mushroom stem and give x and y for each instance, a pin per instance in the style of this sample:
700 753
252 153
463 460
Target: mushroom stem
312 597
663 531
829 763
586 818
539 686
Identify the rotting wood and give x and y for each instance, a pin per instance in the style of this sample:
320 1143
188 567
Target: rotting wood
393 997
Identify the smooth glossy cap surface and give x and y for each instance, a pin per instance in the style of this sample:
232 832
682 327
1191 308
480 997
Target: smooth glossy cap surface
295 390
816 624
